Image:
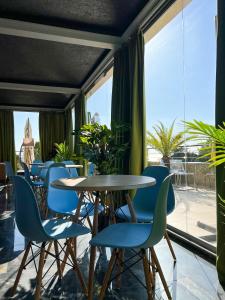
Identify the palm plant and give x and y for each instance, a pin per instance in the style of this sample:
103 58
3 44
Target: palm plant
165 141
213 136
63 152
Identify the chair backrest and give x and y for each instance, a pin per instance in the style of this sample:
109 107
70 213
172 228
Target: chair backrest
58 200
27 213
73 171
145 199
91 169
35 170
9 169
160 213
26 172
44 170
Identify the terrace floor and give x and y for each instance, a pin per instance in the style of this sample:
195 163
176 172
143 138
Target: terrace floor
195 213
191 277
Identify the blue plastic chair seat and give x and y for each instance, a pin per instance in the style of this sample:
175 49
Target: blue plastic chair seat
144 216
61 229
122 235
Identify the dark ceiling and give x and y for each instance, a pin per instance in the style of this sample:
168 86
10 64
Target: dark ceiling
40 62
102 16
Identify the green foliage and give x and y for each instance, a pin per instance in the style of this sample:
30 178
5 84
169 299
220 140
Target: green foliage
215 140
63 152
99 145
165 141
37 150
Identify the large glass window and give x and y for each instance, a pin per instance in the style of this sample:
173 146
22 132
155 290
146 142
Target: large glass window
99 101
180 64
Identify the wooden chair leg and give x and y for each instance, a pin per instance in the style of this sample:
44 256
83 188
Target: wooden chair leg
93 250
48 250
170 246
76 268
63 264
148 275
161 273
19 273
37 295
120 266
57 259
107 275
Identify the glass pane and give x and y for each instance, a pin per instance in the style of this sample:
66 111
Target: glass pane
99 104
180 67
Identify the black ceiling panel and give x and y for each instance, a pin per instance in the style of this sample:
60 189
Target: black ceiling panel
26 60
33 99
103 16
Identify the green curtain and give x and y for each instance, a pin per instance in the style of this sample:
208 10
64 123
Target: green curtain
128 103
68 129
220 117
51 130
7 144
80 120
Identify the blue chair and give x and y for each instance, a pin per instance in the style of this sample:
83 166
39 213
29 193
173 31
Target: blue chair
34 184
33 229
44 170
35 170
91 169
9 169
73 171
65 202
144 201
139 237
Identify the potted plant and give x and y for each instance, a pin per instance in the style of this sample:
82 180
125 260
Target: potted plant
100 146
63 152
165 141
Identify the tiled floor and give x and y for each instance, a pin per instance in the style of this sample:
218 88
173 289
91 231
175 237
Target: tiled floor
191 277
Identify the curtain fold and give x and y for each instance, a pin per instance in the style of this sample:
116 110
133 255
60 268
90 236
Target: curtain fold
80 120
68 129
7 144
51 130
128 103
220 117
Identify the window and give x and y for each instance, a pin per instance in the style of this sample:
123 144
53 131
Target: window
180 68
99 101
20 121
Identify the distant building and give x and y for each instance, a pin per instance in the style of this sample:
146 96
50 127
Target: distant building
28 144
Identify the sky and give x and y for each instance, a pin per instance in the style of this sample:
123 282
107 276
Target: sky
180 68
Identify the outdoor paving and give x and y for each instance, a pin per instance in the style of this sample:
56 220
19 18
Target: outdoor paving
195 212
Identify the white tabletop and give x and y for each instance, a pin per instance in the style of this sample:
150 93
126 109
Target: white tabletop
74 166
67 166
104 182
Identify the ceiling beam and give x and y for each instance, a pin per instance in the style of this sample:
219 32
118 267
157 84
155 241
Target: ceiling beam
57 34
38 88
29 108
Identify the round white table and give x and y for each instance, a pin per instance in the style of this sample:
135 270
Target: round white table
98 184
